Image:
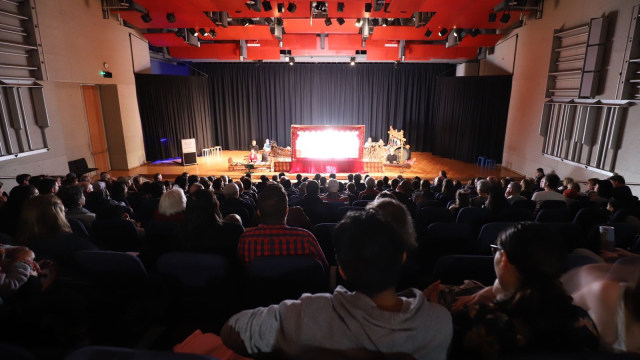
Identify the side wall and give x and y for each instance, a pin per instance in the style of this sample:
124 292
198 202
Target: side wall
523 145
77 41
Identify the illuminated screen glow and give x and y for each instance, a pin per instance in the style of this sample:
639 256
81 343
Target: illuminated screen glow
327 144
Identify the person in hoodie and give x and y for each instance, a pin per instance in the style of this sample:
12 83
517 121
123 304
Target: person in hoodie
368 315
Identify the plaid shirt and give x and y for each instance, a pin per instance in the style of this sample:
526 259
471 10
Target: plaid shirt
278 240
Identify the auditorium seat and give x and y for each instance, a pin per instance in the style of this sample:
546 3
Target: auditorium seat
429 215
454 269
78 228
515 215
271 279
442 239
345 209
115 353
115 235
476 217
334 211
570 233
361 203
554 215
434 203
369 197
553 204
625 234
324 234
489 234
524 204
587 218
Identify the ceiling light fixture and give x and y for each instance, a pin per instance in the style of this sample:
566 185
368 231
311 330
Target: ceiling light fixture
327 22
359 23
146 17
266 5
367 7
340 7
280 7
292 7
428 33
203 32
505 17
352 61
475 32
493 17
291 60
443 32
193 32
340 21
171 18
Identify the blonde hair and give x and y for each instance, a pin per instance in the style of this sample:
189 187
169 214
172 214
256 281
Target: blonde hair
172 202
42 216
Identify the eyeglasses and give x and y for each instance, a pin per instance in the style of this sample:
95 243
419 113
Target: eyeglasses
495 249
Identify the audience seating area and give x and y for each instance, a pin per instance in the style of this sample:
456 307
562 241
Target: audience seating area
143 280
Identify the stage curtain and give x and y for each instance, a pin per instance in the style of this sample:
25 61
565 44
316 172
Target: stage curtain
173 108
258 101
470 117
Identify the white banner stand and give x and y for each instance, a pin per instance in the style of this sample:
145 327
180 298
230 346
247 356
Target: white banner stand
189 153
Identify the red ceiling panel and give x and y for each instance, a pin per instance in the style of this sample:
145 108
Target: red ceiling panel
300 42
481 40
426 52
165 39
238 32
238 9
263 53
344 42
381 53
222 51
320 52
303 26
403 33
159 20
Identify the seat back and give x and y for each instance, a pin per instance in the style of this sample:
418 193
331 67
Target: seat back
334 210
429 215
193 270
361 203
78 228
111 353
345 209
476 217
324 234
454 269
554 215
576 260
524 204
570 233
369 197
625 234
111 265
115 234
587 218
433 203
515 214
489 234
553 204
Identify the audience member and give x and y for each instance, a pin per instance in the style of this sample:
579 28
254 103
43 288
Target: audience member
370 252
73 200
513 192
370 189
483 188
462 201
550 183
172 206
333 194
272 237
232 204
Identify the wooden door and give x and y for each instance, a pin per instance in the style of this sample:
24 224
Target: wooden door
93 111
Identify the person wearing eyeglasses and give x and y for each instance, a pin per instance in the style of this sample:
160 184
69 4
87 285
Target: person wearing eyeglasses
527 310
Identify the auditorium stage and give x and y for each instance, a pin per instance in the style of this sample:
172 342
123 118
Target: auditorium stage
425 165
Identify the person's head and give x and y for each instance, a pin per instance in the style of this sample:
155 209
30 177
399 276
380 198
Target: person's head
504 182
447 187
379 184
202 210
370 183
527 184
172 202
313 188
617 180
462 198
299 177
539 172
246 184
591 184
551 182
70 179
104 176
425 185
118 190
112 212
604 189
529 256
332 176
567 181
23 179
323 181
192 179
443 174
253 152
386 195
253 143
397 214
181 182
357 178
513 189
333 186
266 141
574 186
206 184
394 183
351 188
42 216
157 177
156 189
273 205
72 196
385 180
231 191
370 252
405 187
483 187
350 178
48 186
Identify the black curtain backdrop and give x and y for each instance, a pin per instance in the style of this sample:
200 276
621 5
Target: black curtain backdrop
252 101
173 108
470 117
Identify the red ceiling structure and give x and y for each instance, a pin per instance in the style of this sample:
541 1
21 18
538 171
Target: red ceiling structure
392 30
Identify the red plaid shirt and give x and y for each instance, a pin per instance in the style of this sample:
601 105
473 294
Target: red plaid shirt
277 240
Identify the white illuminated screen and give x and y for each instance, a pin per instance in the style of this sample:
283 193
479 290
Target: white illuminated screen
327 144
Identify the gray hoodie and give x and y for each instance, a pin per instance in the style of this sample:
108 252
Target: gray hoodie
344 320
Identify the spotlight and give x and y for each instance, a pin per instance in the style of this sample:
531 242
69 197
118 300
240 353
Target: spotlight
493 17
280 7
340 7
268 21
203 32
292 7
279 22
443 32
375 22
359 23
505 17
212 33
384 22
180 33
146 17
456 32
428 33
193 32
340 21
321 6
291 60
475 32
266 5
352 61
379 5
171 18
367 7
327 22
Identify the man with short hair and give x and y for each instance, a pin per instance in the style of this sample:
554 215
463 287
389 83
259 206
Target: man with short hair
23 179
549 183
157 177
254 146
621 192
513 192
48 186
483 187
366 315
233 205
73 200
273 237
370 190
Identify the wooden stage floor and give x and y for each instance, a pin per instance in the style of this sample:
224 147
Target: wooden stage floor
425 165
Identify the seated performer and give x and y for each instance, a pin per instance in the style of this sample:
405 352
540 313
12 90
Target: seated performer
368 143
267 145
254 146
253 157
